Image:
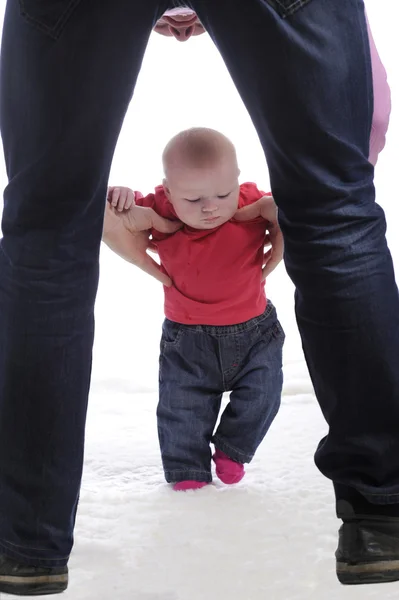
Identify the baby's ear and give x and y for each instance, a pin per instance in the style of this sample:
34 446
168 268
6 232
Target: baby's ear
166 189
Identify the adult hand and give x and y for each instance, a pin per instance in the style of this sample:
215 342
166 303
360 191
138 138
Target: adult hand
274 244
128 235
181 23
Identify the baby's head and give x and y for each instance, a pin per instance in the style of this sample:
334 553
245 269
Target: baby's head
201 177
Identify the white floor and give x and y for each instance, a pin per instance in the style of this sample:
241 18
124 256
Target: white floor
273 536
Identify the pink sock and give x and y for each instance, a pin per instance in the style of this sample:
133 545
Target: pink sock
229 471
185 486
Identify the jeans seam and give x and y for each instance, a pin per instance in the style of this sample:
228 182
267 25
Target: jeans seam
176 341
224 382
55 31
232 370
287 11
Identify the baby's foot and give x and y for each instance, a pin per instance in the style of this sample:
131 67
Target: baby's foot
229 471
185 486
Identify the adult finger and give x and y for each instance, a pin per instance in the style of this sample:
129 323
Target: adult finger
272 259
153 247
150 266
270 265
266 257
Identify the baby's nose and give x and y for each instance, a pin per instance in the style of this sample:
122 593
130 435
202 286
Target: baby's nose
209 207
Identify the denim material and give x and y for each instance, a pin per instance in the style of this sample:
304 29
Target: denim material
68 70
307 83
197 364
66 82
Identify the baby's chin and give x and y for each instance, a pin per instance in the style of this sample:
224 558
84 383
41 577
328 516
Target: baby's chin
211 223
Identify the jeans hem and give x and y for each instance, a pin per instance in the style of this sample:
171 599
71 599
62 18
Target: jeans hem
182 475
352 494
382 499
18 553
232 452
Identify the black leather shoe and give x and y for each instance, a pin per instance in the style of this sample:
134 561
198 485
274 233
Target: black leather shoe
368 548
23 580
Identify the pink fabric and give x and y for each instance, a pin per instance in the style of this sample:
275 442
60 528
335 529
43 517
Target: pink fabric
382 102
186 486
228 470
178 11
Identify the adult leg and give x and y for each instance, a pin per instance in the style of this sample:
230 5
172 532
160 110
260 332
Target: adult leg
68 70
303 70
313 116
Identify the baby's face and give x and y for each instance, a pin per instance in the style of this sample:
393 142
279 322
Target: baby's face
204 198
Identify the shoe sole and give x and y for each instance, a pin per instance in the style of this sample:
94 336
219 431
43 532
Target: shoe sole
375 572
33 586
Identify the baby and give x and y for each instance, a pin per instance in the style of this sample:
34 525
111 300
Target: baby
220 334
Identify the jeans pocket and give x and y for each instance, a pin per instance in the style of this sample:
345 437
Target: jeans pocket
269 327
171 333
50 16
285 8
169 355
278 332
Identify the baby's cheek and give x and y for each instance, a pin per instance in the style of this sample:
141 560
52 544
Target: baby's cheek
192 209
186 214
179 209
233 208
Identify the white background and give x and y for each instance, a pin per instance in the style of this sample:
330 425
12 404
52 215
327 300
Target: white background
273 536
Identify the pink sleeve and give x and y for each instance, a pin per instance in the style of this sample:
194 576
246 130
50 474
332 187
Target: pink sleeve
382 102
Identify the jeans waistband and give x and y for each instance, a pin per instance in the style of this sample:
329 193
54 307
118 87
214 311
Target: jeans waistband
231 329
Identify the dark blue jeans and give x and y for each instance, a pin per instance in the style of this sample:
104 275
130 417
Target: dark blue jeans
68 70
197 364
